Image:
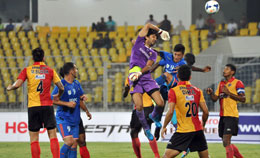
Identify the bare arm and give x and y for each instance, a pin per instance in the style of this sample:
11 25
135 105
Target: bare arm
85 109
155 66
18 83
212 95
146 28
147 67
64 103
168 118
205 69
205 112
61 88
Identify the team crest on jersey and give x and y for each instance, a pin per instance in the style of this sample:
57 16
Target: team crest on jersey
150 53
69 92
189 97
40 77
229 84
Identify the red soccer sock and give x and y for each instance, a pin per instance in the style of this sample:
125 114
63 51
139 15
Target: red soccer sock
236 151
153 145
229 151
137 147
55 148
84 152
35 149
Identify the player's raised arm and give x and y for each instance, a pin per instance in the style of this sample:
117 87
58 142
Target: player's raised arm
164 34
205 69
213 97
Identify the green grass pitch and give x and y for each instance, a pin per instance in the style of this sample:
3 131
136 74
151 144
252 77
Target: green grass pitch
121 150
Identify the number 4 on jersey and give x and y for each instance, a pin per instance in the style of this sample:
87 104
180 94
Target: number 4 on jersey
40 87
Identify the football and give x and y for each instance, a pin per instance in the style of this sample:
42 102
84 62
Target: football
212 7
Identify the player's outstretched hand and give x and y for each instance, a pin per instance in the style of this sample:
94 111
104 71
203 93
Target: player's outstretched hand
164 35
209 91
71 104
84 97
207 69
9 87
89 115
135 76
163 132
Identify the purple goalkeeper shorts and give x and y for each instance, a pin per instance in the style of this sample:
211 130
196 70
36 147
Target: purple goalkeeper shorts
144 84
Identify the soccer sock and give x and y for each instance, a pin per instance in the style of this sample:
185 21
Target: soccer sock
84 152
160 80
153 145
55 148
229 151
157 111
64 151
35 149
137 147
142 119
73 153
236 152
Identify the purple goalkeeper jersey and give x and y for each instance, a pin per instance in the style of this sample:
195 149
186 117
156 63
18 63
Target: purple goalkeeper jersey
141 54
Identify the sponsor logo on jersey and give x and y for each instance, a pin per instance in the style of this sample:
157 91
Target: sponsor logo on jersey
189 97
40 77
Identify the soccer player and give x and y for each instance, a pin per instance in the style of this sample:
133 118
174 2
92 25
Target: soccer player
141 60
136 126
186 99
40 109
68 111
84 153
230 90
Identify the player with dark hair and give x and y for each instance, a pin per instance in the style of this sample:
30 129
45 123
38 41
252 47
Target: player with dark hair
229 91
68 111
40 109
186 99
136 126
141 60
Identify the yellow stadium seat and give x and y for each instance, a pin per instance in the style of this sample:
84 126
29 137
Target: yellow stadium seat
1 53
16 46
11 34
248 94
55 29
204 34
252 25
28 52
243 32
253 32
6 46
25 46
20 62
94 52
84 52
73 29
204 45
195 44
83 29
56 52
18 53
98 95
97 62
103 52
184 33
93 76
92 35
82 46
100 70
121 34
166 46
139 27
83 76
9 53
21 34
47 52
31 34
88 62
120 28
192 27
75 52
130 35
130 28
2 99
2 34
11 97
195 51
112 35
63 46
72 45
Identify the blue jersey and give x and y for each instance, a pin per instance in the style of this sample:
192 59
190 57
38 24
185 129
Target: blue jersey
169 64
72 92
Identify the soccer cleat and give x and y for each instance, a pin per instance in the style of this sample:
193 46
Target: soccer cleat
149 134
185 153
157 133
156 121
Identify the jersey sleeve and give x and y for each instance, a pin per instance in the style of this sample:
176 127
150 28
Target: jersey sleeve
139 40
171 96
202 100
81 91
153 56
240 87
162 62
54 91
23 75
217 91
56 78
